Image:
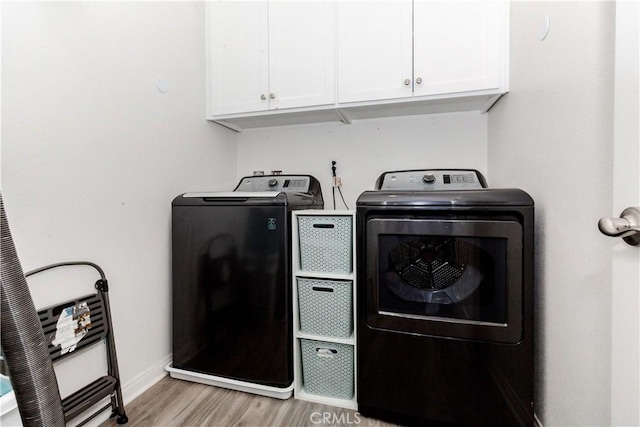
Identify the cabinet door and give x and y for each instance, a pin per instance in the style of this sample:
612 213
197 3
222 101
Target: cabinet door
301 53
459 46
237 56
374 50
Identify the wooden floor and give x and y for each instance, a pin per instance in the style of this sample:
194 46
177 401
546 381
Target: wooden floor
173 402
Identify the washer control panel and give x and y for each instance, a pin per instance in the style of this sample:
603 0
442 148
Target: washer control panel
431 180
285 183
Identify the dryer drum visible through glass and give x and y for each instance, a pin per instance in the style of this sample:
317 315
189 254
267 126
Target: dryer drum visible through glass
431 263
463 275
435 267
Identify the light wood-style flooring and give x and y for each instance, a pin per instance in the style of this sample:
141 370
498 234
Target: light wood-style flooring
173 402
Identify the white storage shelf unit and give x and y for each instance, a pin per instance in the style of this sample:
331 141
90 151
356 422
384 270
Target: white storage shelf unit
328 264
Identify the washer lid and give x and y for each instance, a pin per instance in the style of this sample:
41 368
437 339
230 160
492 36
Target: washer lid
206 198
480 197
232 194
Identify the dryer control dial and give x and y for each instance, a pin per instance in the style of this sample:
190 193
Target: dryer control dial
272 182
429 178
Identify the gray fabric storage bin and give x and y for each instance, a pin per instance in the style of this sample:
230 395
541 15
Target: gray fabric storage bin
325 243
327 368
326 307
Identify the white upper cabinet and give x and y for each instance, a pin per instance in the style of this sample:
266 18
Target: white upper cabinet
459 46
270 55
302 53
401 49
374 50
278 62
238 65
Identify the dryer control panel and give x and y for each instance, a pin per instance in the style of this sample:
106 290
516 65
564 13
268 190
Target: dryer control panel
282 183
431 180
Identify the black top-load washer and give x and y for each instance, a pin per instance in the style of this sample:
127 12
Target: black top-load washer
232 323
445 300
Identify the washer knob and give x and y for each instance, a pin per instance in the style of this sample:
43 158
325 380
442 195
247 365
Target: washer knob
272 182
428 179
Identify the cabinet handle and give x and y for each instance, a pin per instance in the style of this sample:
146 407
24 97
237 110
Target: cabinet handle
407 82
419 80
272 96
263 97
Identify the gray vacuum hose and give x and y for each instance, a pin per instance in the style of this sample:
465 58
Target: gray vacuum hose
23 342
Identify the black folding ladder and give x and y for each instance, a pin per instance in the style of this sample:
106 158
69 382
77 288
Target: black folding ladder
92 317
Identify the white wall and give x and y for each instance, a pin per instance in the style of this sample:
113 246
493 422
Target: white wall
367 148
93 153
552 136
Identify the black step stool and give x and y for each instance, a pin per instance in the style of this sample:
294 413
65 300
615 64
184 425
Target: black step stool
96 306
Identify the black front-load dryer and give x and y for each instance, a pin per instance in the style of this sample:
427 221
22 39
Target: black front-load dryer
445 300
232 323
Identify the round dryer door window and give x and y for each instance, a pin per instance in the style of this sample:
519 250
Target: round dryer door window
457 278
442 270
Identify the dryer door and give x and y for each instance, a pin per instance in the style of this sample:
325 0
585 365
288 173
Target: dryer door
445 277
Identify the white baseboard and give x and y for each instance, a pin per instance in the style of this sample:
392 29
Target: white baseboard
145 380
130 391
